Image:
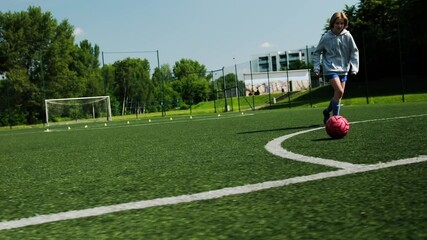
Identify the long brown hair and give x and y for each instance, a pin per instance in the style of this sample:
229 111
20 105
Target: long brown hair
338 15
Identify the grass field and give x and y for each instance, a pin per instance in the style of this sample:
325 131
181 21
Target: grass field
92 165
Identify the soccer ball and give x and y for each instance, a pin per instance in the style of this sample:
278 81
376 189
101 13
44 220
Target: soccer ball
337 127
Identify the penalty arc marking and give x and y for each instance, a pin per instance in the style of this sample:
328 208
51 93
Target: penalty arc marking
273 146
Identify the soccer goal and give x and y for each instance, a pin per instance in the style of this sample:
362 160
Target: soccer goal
78 109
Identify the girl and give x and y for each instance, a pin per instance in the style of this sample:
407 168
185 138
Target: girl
340 56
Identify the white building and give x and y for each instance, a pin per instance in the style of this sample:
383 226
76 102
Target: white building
280 61
269 72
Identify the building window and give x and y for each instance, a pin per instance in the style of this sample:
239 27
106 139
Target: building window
273 64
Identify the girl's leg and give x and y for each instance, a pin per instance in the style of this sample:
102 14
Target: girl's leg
334 104
338 87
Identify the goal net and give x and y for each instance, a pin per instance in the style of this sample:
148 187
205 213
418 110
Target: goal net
78 109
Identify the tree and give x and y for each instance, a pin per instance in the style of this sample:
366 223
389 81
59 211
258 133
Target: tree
61 80
109 86
36 55
86 65
185 67
191 81
163 92
298 64
193 89
132 82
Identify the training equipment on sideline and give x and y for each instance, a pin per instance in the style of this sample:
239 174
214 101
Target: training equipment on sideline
74 109
337 127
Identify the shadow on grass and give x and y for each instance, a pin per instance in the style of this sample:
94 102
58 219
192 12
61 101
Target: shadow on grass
282 129
325 139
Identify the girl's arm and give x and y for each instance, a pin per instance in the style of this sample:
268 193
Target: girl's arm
354 57
316 56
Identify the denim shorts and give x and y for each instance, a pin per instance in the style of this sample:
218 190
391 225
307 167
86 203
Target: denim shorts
343 78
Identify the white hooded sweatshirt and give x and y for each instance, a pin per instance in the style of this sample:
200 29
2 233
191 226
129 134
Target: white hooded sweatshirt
339 53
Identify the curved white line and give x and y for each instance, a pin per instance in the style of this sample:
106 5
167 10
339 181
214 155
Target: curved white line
275 147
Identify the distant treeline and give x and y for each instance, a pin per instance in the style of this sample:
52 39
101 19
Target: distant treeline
39 60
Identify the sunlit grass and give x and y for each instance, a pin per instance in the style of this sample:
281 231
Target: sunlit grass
83 167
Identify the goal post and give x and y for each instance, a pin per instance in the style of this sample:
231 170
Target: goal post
77 109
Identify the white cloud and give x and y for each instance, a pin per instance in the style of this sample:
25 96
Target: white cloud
265 45
78 32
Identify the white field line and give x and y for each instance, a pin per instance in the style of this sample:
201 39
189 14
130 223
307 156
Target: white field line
276 143
275 148
198 196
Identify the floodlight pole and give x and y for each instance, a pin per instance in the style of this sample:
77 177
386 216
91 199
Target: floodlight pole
105 79
252 86
309 74
213 72
237 86
400 61
268 81
225 93
366 71
289 86
162 86
42 76
213 88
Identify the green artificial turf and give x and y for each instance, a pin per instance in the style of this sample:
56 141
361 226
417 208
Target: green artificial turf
84 167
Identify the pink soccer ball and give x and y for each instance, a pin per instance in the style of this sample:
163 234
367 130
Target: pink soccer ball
337 127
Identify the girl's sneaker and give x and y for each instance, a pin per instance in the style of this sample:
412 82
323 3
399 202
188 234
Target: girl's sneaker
325 116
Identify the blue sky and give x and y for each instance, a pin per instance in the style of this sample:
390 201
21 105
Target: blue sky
215 33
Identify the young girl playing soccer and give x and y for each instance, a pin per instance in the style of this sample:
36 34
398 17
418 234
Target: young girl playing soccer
339 55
